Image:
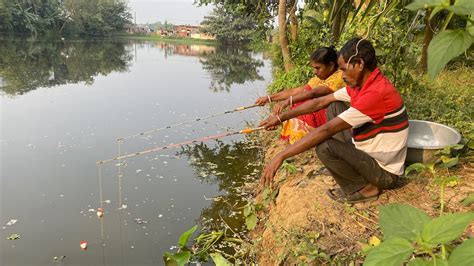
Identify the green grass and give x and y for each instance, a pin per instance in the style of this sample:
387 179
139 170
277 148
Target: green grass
448 100
164 39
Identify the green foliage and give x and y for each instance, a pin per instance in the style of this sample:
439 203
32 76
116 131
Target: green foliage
462 255
289 167
446 228
250 216
178 259
234 27
448 44
293 78
447 101
83 17
219 260
445 46
391 252
183 239
414 221
410 232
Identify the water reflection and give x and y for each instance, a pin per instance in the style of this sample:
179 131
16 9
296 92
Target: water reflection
185 49
228 166
230 65
26 66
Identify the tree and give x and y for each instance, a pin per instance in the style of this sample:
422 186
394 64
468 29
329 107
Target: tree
41 17
230 27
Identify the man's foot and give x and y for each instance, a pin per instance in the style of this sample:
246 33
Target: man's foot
368 193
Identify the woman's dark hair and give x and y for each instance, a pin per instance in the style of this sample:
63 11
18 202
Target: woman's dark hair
358 48
325 55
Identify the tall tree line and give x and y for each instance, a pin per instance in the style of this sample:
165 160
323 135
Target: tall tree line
63 17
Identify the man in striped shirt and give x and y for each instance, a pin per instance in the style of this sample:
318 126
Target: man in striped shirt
374 158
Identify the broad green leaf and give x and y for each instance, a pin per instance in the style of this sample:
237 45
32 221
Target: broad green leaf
183 239
449 162
446 228
178 259
468 200
463 254
422 4
422 262
251 221
401 220
470 29
444 47
462 7
219 260
247 210
391 252
470 144
417 167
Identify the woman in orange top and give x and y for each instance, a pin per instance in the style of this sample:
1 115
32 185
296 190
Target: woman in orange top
327 80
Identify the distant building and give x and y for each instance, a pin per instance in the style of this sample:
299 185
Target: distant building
186 30
137 29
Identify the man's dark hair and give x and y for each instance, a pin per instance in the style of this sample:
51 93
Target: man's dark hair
325 55
358 48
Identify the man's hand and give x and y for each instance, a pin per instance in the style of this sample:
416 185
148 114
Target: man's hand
279 107
270 170
262 100
270 123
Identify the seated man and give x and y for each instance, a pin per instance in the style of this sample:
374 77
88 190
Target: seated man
375 157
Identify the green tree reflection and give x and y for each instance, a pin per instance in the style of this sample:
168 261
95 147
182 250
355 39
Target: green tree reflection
230 65
228 166
26 66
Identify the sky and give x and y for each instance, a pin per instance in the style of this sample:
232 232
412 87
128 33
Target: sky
173 11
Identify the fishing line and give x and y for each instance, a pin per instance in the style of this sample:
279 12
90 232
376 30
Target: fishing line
244 131
188 122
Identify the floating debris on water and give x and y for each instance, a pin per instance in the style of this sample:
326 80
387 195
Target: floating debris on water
140 221
12 222
60 258
13 237
83 245
100 212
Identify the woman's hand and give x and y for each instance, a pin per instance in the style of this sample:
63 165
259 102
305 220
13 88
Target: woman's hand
262 100
270 123
279 107
270 170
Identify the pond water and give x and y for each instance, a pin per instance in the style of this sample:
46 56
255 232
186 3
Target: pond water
64 104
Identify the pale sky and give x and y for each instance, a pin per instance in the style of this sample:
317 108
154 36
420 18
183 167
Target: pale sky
173 11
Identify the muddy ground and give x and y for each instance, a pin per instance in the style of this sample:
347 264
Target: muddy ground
303 225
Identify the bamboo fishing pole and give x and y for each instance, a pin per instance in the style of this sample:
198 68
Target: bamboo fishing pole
187 122
243 131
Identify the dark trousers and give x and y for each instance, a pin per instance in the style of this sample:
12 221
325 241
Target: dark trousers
351 168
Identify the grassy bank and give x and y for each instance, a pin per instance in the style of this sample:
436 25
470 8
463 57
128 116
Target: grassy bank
164 39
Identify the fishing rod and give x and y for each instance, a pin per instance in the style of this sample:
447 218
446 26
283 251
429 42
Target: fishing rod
243 131
187 122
